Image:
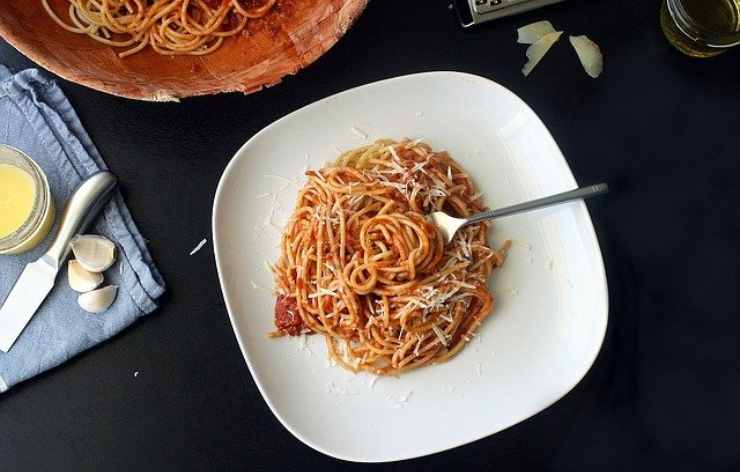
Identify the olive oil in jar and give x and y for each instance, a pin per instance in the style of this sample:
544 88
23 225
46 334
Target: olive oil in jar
701 28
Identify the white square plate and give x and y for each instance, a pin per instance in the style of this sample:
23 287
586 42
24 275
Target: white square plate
552 300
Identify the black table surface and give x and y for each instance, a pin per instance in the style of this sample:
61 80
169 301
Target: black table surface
661 128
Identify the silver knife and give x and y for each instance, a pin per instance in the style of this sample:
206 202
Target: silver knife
37 279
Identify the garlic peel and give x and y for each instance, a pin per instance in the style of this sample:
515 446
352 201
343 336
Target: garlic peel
97 301
94 253
530 34
81 280
589 54
537 51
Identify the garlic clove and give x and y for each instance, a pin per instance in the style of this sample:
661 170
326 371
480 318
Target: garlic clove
81 280
533 32
589 54
94 253
98 300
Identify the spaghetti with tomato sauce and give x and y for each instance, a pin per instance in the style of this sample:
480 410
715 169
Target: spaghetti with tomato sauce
169 27
361 264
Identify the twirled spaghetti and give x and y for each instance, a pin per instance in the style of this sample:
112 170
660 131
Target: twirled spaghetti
169 27
361 264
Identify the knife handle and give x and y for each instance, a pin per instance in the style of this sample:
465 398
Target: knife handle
82 208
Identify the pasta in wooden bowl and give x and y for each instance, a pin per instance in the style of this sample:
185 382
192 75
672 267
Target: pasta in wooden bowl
170 49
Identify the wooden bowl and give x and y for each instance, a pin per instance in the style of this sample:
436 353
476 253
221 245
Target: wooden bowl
293 35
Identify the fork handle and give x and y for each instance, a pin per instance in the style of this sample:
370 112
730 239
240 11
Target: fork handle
577 194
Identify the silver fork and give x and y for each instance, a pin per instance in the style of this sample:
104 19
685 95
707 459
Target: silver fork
449 225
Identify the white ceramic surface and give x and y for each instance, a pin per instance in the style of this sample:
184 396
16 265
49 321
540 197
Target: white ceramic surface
552 302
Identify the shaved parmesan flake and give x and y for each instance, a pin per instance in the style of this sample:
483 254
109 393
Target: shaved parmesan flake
303 344
440 335
420 167
512 292
359 132
322 291
199 246
465 285
263 195
335 389
533 32
537 51
255 286
589 54
279 177
401 400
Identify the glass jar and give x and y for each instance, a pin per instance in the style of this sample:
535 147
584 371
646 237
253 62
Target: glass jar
35 227
701 28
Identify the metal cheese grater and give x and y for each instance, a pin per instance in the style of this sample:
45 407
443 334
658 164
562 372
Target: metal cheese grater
473 12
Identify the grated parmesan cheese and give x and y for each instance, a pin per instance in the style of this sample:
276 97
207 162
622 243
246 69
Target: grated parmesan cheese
404 397
335 389
359 132
464 284
323 291
418 345
280 177
392 150
255 286
442 337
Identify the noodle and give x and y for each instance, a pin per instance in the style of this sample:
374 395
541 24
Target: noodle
169 27
361 264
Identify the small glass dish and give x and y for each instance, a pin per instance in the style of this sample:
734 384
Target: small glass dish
39 221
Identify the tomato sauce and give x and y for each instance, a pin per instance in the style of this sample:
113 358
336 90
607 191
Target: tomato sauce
287 318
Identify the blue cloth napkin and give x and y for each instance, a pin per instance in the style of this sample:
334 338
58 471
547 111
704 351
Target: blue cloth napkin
36 118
